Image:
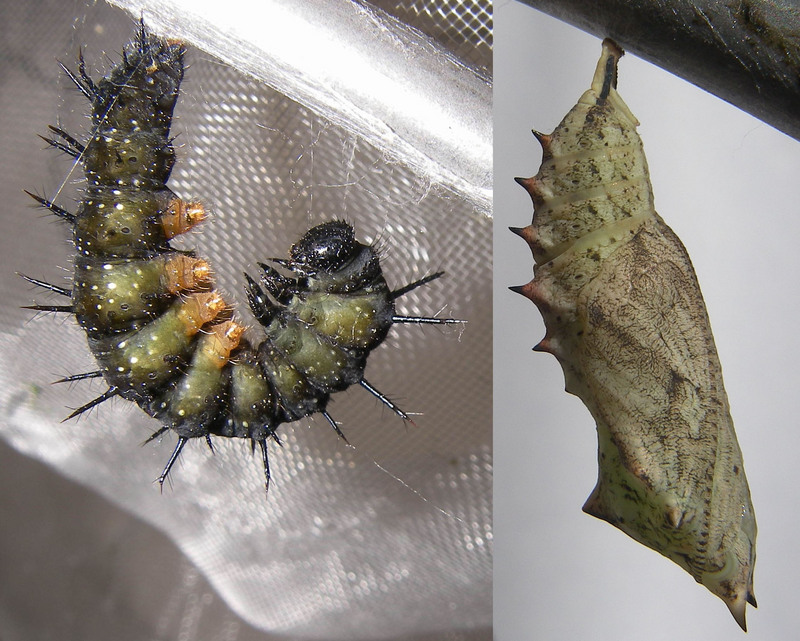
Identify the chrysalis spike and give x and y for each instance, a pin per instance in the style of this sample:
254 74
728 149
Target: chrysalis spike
528 234
79 377
47 204
174 457
386 401
45 285
737 607
109 393
397 293
544 140
262 443
334 425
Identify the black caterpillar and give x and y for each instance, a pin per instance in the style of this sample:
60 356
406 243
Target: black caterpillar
162 336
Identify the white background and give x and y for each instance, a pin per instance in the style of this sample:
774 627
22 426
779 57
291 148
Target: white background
726 183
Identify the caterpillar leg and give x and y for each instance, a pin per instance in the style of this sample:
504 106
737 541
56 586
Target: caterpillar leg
280 287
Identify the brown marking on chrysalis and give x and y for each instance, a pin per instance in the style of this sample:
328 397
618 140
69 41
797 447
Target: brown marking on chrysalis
626 319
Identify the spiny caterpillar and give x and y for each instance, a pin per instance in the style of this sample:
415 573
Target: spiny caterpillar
162 335
627 322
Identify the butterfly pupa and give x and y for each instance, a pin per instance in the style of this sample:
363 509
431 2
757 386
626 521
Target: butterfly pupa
626 320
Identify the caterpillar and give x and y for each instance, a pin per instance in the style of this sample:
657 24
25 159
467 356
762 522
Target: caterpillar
163 336
626 320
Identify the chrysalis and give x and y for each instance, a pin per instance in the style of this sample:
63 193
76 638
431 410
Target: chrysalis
626 320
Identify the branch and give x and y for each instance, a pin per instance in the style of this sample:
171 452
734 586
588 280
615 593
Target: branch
746 52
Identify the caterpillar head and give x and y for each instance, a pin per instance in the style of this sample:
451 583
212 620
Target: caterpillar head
331 258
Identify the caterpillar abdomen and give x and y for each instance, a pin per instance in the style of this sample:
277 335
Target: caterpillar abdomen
162 335
626 320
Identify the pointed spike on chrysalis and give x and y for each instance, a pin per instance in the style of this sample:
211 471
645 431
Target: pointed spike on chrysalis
546 345
751 599
593 506
528 234
737 603
531 185
530 290
544 140
523 181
